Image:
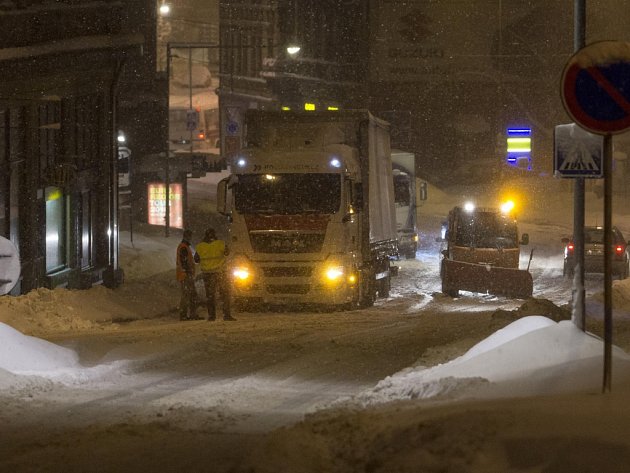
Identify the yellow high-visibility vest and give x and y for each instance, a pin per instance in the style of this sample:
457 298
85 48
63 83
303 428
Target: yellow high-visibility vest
211 255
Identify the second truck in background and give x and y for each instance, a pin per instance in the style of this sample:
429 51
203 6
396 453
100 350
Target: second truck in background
310 201
408 190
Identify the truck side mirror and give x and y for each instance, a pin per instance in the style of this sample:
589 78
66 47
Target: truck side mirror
524 239
424 192
222 196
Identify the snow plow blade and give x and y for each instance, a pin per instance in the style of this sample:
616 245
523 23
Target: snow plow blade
509 282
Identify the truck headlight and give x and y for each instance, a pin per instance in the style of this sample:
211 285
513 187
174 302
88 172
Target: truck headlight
337 273
241 273
334 273
241 270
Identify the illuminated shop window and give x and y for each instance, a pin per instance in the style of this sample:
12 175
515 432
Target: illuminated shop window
55 229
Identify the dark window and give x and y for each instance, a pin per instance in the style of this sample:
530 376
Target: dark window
288 193
486 230
49 124
401 189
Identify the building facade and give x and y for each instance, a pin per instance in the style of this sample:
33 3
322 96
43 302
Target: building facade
257 71
62 64
450 76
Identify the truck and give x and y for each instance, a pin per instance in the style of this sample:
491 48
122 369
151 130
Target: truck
406 193
482 253
310 206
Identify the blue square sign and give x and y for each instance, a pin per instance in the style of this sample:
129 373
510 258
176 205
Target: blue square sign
577 153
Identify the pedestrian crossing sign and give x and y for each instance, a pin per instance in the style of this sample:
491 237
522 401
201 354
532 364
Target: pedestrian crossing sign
577 152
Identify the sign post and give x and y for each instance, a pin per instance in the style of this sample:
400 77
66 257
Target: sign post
596 94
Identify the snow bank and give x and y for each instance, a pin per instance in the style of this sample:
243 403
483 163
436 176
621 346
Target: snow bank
29 364
43 311
531 356
620 295
21 354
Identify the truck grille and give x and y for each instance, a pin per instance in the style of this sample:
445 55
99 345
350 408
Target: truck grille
292 242
288 288
287 271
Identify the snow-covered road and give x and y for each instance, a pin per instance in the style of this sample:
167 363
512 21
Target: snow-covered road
138 390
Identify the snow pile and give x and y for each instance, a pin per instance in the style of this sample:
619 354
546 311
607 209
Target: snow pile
26 362
21 354
531 356
29 365
42 310
620 295
150 290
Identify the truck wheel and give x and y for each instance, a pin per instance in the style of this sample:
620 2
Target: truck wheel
446 289
449 291
367 296
567 271
384 285
367 300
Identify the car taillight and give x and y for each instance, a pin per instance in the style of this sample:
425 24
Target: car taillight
619 249
570 247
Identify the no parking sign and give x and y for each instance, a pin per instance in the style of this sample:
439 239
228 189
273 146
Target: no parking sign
596 94
596 87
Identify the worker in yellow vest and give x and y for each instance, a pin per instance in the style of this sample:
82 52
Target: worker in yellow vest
210 255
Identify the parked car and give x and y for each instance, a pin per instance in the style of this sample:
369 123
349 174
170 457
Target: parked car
594 253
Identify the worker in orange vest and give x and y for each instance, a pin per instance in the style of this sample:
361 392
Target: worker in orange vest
186 278
210 255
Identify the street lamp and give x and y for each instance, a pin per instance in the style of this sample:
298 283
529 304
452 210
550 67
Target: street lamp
293 49
165 9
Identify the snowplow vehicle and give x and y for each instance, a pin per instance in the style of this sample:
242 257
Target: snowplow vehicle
481 253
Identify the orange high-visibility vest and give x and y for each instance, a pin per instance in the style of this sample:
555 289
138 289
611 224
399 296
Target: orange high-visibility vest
185 263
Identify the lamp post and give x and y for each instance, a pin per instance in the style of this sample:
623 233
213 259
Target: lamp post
579 312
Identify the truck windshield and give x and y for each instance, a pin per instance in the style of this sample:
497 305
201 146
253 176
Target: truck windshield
288 193
486 230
